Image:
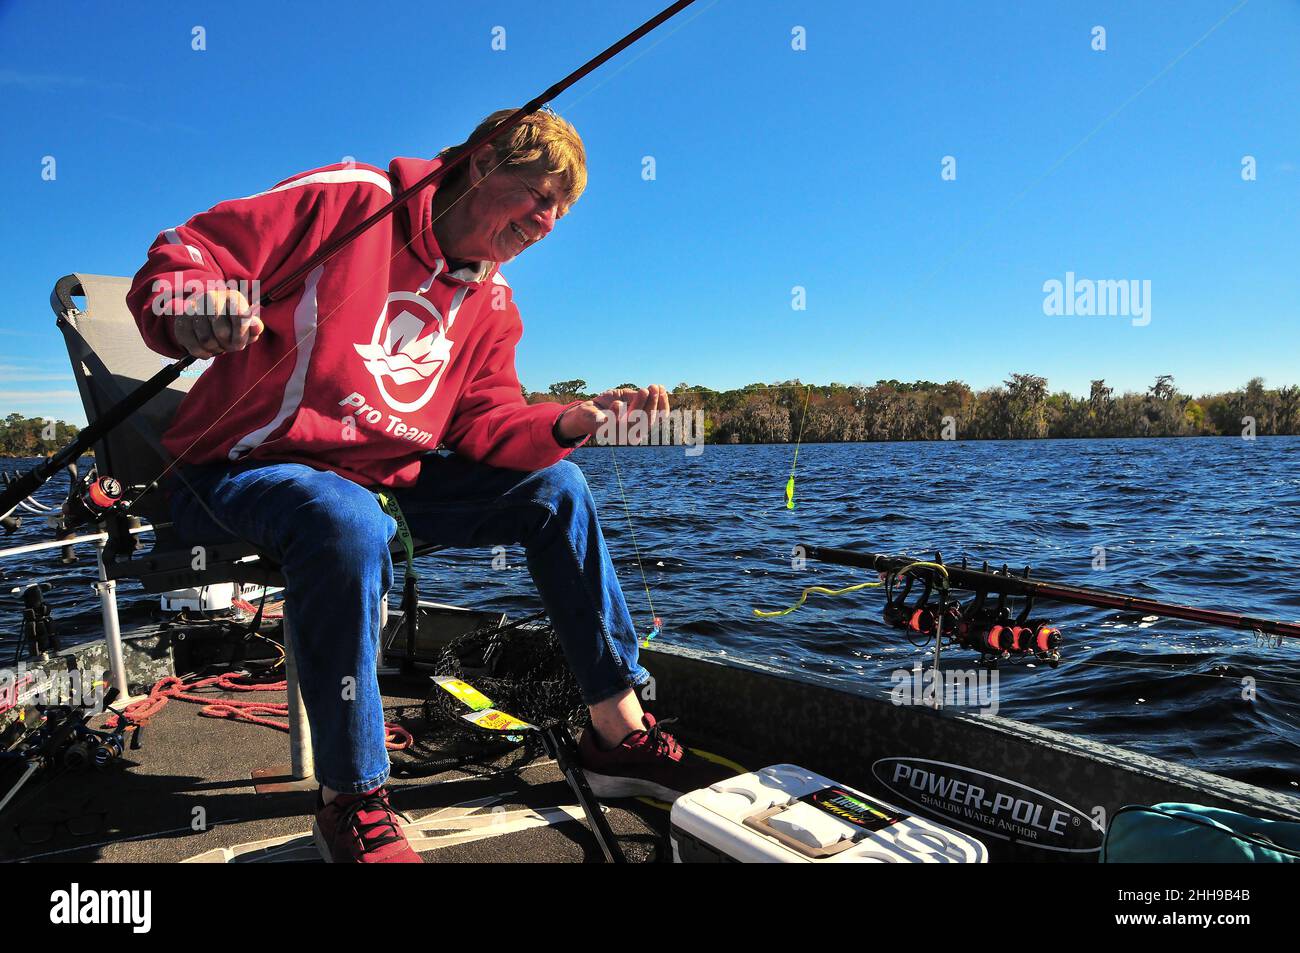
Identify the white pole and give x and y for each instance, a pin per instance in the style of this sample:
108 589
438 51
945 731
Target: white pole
301 761
112 631
96 538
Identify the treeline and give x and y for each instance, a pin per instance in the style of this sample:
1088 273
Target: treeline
33 436
1022 408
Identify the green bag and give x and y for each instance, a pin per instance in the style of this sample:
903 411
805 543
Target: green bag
1193 833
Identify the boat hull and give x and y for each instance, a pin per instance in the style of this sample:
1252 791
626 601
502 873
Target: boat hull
1030 793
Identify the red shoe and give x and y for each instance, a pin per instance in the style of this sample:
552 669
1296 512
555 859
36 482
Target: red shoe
650 763
361 829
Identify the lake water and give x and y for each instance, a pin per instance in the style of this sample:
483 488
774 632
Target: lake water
1213 522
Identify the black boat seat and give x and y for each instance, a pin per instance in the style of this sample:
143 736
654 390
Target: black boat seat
109 360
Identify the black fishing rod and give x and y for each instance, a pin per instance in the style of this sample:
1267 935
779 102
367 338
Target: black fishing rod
1007 584
28 483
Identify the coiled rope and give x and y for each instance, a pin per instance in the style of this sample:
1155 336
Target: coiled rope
396 738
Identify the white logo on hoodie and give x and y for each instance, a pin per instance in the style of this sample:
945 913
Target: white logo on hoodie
400 350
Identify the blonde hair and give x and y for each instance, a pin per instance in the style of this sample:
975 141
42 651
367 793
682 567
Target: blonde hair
540 137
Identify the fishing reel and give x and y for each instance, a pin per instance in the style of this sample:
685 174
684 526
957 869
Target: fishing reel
922 618
1045 642
94 748
63 737
92 501
928 620
991 631
977 620
896 613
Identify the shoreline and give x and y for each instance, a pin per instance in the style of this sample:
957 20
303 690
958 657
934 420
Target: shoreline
791 443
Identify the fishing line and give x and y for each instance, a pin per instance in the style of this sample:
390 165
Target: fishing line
822 590
703 10
1179 669
1171 667
656 624
789 486
982 230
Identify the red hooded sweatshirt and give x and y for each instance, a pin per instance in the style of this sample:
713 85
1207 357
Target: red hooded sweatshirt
393 354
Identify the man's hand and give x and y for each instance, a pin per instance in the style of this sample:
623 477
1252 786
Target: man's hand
219 322
587 418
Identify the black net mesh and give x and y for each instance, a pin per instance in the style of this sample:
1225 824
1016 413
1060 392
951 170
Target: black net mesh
521 669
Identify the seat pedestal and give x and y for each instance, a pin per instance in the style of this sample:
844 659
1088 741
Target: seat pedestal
300 773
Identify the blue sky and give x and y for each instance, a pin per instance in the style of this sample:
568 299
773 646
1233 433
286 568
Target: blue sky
775 168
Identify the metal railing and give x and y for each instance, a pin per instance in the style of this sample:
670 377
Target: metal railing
107 589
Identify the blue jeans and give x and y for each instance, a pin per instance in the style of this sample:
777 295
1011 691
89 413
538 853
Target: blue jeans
332 541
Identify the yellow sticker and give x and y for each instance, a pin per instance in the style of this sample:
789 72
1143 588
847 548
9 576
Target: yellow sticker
464 691
495 720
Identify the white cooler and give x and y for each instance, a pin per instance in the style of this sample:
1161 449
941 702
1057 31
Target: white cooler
788 815
210 598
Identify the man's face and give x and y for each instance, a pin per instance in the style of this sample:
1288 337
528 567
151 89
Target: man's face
510 208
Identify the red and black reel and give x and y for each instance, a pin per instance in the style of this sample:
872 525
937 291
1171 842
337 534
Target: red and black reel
922 617
98 498
1045 642
987 628
896 611
997 636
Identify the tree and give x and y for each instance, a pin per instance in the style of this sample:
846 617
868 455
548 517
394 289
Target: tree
1163 388
1021 408
1288 409
568 390
1101 409
1163 412
1026 406
26 436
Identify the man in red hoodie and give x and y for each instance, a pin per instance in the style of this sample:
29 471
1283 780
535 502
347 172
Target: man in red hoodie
400 343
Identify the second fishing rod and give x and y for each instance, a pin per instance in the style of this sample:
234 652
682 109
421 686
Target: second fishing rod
959 576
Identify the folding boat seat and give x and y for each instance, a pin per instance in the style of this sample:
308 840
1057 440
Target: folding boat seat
110 359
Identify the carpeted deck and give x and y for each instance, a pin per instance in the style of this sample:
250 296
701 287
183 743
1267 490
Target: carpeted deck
187 795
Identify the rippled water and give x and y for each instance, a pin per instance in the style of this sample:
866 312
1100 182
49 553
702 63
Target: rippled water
1209 521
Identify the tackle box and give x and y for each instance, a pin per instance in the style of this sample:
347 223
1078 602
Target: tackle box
786 814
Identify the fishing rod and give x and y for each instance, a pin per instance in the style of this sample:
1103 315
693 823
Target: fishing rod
28 483
944 577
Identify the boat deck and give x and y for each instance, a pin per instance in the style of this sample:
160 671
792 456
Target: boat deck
188 795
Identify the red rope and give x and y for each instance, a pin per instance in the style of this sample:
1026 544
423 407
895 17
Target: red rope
396 737
273 611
